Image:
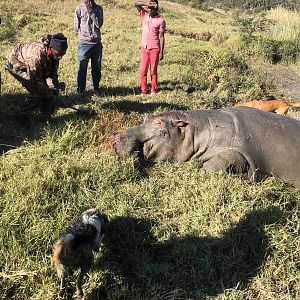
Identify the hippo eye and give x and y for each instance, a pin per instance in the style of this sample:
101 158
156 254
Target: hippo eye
162 133
182 135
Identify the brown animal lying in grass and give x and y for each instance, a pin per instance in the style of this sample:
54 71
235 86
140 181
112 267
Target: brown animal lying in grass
278 106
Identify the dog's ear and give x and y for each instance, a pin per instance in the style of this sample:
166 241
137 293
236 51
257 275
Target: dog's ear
105 222
105 219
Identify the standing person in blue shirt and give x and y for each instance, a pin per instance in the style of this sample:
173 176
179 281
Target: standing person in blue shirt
88 19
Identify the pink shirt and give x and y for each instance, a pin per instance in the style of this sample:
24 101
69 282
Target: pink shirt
151 26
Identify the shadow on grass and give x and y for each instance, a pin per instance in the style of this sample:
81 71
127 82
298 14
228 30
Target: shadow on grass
187 267
135 106
15 130
126 91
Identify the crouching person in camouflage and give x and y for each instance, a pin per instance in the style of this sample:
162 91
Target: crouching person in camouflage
32 64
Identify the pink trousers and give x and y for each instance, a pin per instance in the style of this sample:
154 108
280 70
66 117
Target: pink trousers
149 57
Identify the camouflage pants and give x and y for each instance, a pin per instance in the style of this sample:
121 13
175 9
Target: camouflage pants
46 104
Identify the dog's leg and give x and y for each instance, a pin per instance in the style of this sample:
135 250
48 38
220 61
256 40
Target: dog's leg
282 110
83 271
63 281
63 284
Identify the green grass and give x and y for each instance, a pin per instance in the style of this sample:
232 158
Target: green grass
175 232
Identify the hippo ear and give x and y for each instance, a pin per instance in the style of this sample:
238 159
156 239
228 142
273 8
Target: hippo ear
153 119
148 118
179 123
157 121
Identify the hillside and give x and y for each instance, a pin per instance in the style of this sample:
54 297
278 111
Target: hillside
175 232
233 4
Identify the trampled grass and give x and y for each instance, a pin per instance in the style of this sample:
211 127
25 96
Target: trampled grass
175 232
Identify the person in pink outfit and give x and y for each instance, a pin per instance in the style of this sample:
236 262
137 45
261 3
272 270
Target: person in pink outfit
153 42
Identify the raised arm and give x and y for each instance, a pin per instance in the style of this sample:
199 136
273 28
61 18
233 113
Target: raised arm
139 4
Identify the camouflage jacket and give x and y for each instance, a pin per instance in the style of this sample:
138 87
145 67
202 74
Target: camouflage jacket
31 62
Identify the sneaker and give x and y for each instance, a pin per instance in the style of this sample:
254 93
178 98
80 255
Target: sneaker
153 93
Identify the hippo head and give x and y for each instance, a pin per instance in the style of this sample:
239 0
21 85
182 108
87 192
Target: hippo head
159 137
124 144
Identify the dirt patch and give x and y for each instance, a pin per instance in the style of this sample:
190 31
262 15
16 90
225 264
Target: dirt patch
285 80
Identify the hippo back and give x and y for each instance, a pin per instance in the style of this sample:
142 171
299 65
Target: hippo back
269 141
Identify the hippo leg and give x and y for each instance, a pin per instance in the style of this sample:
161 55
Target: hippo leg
229 160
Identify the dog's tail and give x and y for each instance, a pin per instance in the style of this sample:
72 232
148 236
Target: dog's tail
294 104
62 246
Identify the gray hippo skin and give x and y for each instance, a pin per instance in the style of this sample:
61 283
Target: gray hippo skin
238 139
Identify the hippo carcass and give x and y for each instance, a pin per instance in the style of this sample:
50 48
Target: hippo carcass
243 140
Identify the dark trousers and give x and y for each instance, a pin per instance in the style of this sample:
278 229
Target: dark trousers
88 52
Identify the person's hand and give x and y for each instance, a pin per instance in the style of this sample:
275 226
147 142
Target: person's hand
54 92
62 86
152 5
161 55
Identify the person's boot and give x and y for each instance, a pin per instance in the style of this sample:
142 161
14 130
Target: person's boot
47 110
29 105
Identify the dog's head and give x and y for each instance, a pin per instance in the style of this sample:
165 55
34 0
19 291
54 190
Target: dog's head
94 217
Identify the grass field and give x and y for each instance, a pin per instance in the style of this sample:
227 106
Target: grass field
175 232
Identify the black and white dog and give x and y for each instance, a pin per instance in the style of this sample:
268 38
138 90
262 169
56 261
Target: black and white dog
74 248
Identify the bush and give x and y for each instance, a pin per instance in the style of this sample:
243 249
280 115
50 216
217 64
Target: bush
193 3
7 30
249 26
237 80
271 37
11 25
